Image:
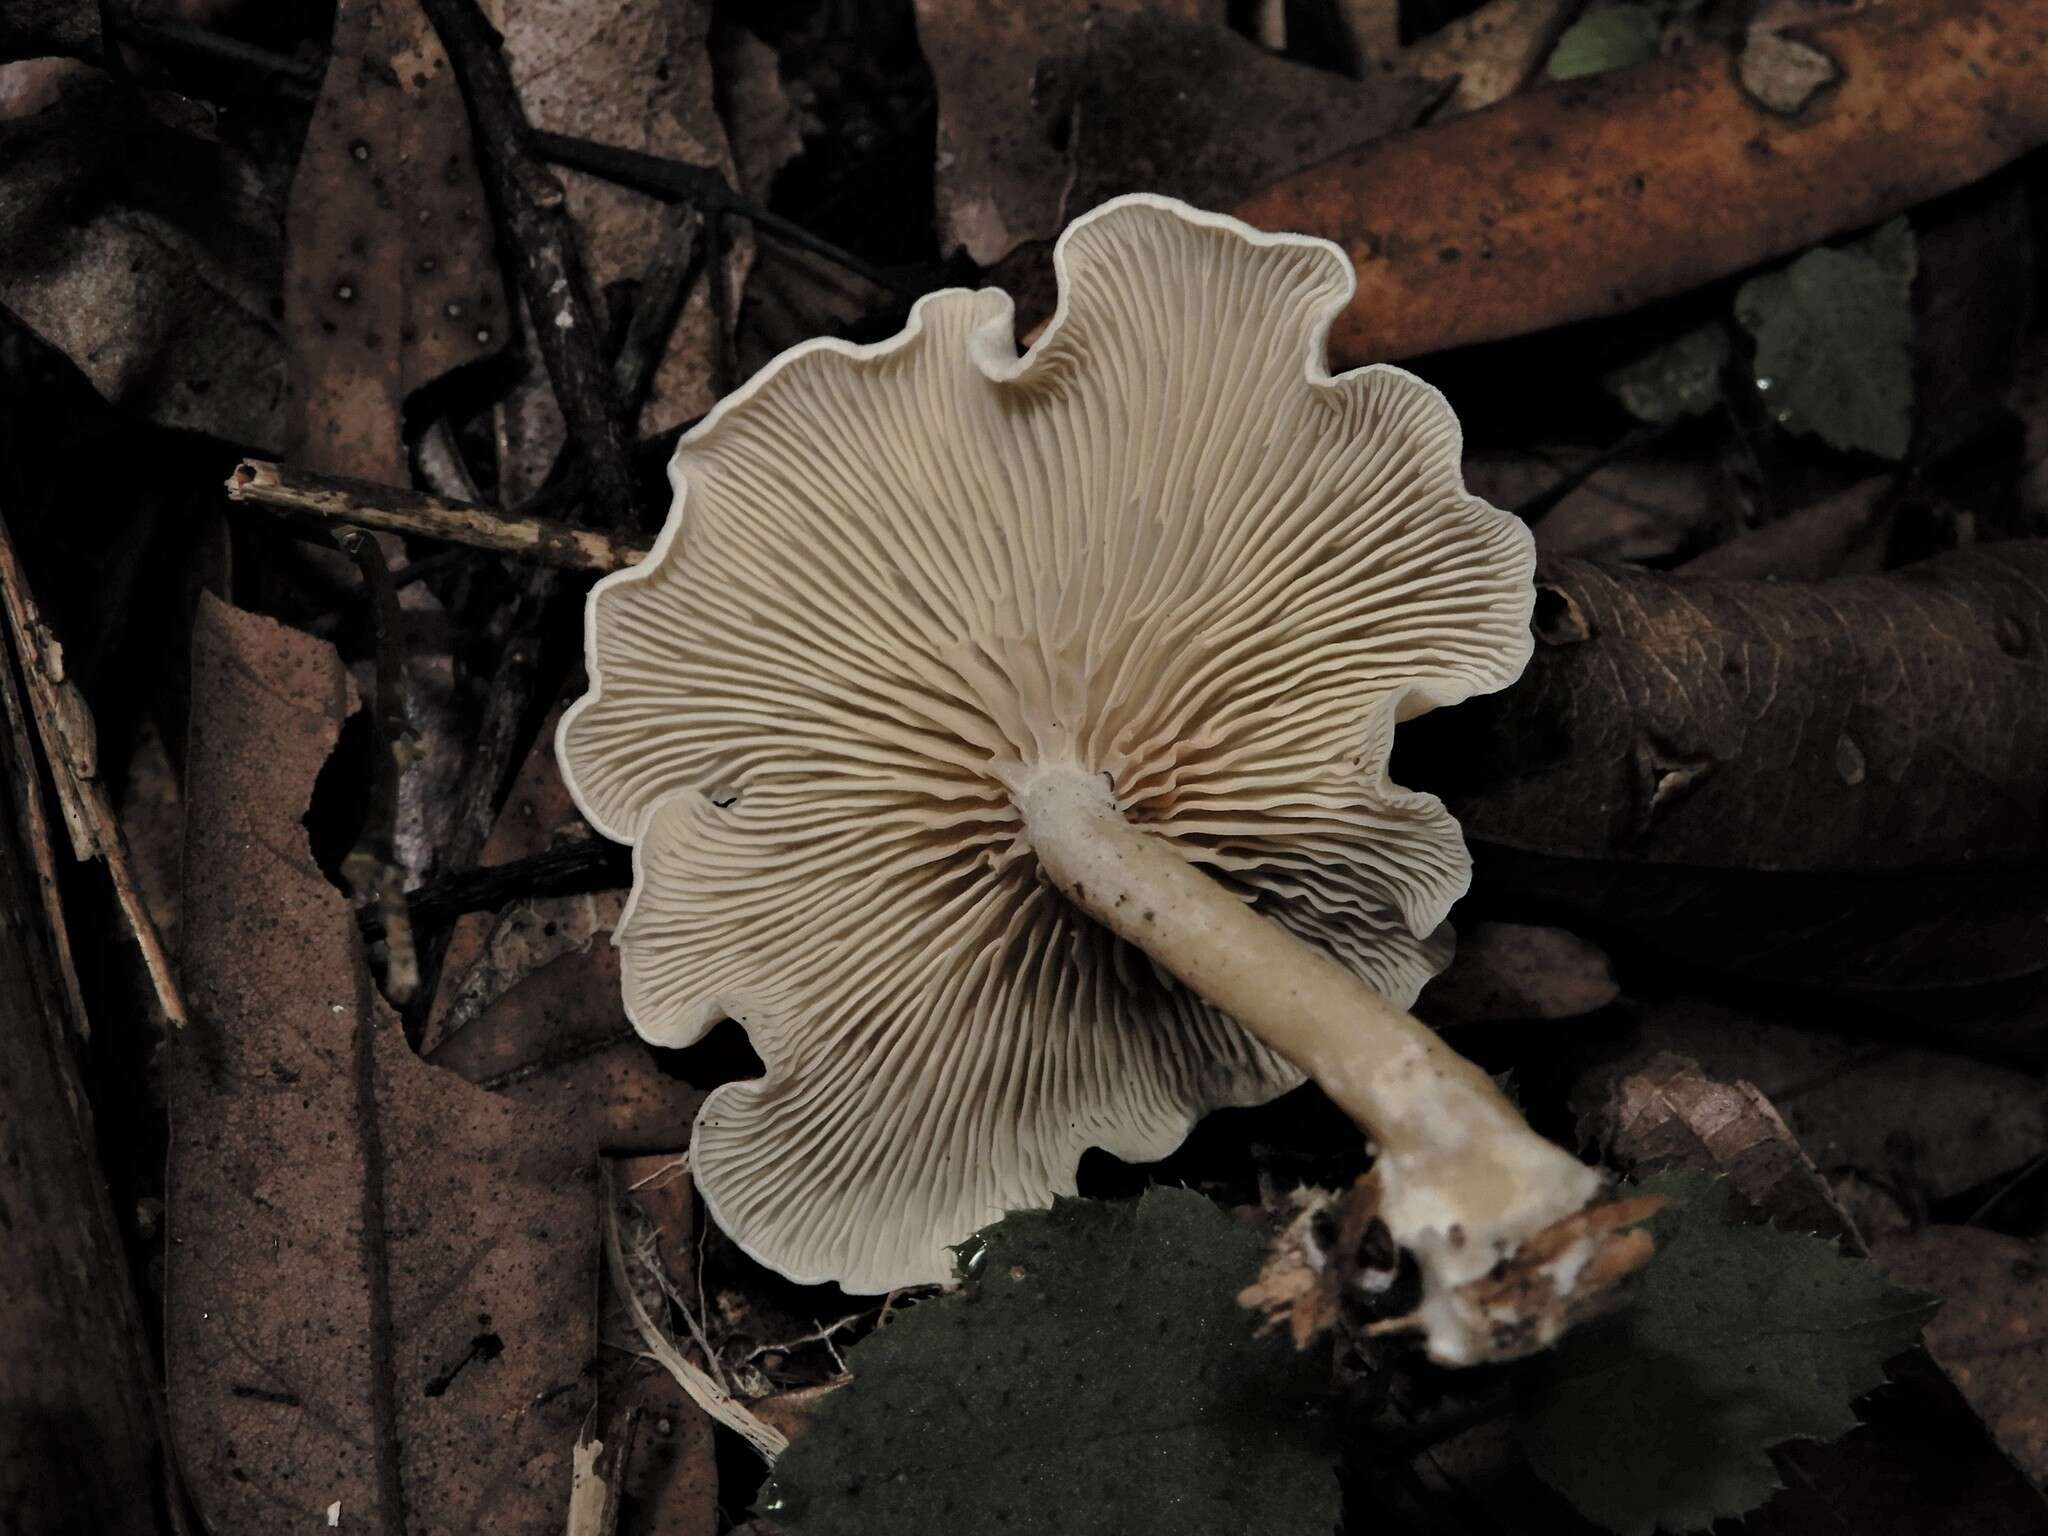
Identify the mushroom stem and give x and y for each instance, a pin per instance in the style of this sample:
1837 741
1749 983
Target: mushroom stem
1463 1179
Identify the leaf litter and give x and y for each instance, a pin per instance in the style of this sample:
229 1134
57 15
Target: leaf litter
406 1318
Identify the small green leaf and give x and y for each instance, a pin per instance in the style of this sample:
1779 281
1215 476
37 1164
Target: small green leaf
1680 378
1738 1337
1613 38
1095 1376
1834 342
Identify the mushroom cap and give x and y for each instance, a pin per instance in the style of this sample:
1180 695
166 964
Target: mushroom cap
898 579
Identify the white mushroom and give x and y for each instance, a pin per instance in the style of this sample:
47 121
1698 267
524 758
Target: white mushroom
1003 742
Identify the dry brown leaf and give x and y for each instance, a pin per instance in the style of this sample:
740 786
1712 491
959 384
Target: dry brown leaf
1505 971
144 250
1633 509
1668 1113
760 119
379 1277
530 1002
1485 55
1841 535
1925 1124
1593 196
1991 1334
1045 111
634 74
390 272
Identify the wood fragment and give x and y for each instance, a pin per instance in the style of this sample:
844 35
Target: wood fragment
568 869
32 818
81 1422
65 728
1594 196
337 499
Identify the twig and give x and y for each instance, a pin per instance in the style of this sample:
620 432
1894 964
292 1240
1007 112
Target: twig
568 869
371 866
515 683
64 726
677 181
534 224
726 1409
336 499
657 307
34 818
1635 440
295 76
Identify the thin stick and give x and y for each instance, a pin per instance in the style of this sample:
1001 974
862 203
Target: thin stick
64 726
677 181
568 869
534 223
508 706
336 499
28 799
371 866
299 77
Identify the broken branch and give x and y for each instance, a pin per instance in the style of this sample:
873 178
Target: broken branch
1595 196
533 219
65 727
336 499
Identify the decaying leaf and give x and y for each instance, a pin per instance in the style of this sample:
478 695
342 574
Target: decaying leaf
1606 37
1045 111
1925 1124
1594 196
530 1005
1839 535
1834 342
1096 1376
144 250
1681 378
1632 509
1506 971
1991 1334
1661 1416
379 1276
1836 780
1670 1114
390 274
761 122
1486 55
632 74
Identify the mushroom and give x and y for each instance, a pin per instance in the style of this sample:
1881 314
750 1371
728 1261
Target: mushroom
1003 742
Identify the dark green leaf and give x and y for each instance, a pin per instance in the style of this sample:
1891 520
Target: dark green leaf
1680 378
1738 1338
1834 342
1096 1375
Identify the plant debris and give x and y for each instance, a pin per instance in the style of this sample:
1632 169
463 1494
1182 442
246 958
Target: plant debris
342 351
357 1356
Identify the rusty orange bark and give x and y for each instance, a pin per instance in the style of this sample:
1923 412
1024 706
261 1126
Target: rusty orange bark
1591 197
